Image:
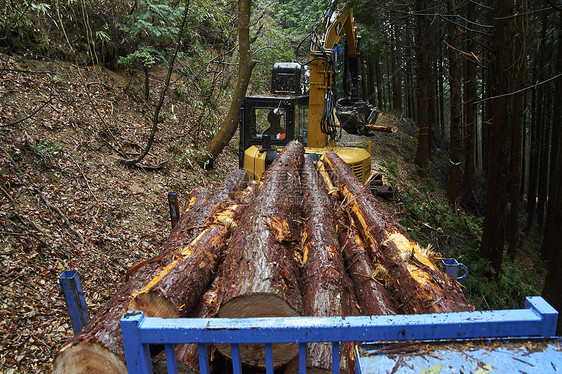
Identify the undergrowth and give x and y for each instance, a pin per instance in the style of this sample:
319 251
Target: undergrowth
454 233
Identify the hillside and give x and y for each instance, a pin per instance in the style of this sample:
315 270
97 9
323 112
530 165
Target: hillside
61 157
69 203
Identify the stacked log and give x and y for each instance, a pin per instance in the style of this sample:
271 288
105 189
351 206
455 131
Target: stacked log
323 247
326 288
260 277
98 347
414 280
186 354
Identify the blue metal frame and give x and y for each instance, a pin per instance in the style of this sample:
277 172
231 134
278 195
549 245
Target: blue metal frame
537 320
70 286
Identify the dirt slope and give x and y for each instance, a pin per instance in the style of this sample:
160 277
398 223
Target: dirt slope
58 154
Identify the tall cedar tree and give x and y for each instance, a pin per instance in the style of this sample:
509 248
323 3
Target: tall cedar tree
422 87
497 190
453 183
245 67
552 244
470 95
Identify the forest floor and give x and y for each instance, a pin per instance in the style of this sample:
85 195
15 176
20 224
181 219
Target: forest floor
68 203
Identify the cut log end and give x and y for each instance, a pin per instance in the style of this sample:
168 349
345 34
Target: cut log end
88 358
153 305
255 306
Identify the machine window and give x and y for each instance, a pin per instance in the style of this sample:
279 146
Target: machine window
267 122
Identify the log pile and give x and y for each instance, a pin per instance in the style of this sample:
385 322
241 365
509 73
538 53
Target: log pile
306 240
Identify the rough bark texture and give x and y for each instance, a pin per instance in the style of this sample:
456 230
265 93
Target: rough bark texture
186 354
177 287
245 67
414 281
492 245
260 273
453 182
98 347
422 87
326 288
371 295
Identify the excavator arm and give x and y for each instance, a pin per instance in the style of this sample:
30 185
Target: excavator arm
353 113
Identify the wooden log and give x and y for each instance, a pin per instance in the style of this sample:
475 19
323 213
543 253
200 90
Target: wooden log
384 128
326 288
177 287
416 283
260 277
371 295
186 354
98 347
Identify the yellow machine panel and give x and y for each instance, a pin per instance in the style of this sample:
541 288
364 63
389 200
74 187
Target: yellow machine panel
358 159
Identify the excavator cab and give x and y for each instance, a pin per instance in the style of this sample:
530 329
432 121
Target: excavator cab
267 123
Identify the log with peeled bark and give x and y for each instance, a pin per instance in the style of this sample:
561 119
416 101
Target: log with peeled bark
416 283
98 347
186 354
260 277
326 288
371 295
177 287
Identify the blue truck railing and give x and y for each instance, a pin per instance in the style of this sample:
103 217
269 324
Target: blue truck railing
537 320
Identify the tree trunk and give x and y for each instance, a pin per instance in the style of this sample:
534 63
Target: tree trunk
98 347
470 115
500 132
422 88
552 243
518 112
260 274
413 279
326 288
453 182
379 85
551 248
177 287
245 67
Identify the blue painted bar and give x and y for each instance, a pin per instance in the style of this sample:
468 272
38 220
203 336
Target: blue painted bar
335 357
538 320
302 358
236 362
137 352
203 359
75 302
464 325
171 361
268 359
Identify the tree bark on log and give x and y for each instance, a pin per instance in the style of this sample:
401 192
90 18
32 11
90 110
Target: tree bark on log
371 295
98 347
326 288
186 354
260 276
177 287
415 280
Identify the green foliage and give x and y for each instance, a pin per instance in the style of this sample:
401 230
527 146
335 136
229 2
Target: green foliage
429 221
140 59
299 17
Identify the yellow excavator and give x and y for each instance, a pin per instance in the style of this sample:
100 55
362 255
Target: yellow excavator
268 123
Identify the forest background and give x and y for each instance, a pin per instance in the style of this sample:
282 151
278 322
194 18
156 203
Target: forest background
86 86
